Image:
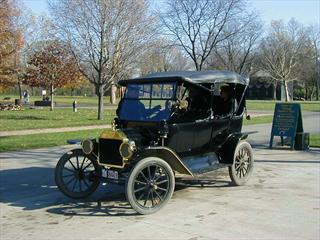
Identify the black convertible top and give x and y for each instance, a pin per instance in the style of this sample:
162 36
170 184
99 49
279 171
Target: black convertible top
194 77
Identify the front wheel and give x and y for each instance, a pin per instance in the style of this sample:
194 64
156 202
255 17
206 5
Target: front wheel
77 174
242 166
150 185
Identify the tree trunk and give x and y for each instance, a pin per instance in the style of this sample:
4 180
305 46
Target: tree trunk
306 92
275 91
20 89
317 91
51 94
286 91
113 90
100 93
312 92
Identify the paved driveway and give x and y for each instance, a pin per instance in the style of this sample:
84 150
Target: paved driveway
281 201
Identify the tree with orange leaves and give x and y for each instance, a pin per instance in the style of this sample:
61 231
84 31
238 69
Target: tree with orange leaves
51 67
11 41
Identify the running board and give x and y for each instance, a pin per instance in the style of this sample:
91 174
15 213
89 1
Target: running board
200 164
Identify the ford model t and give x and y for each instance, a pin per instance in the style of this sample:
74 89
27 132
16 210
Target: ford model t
168 125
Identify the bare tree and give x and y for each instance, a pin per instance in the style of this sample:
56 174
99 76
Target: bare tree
237 53
281 50
314 35
306 68
28 25
197 25
160 56
104 35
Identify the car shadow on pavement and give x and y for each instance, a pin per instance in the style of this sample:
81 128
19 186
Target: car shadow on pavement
201 183
95 207
34 188
29 188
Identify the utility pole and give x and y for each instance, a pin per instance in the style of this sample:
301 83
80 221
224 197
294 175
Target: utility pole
317 77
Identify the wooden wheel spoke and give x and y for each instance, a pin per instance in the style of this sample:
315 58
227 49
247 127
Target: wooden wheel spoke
146 199
144 176
80 185
141 196
237 167
163 181
74 185
70 181
139 189
149 172
72 165
77 162
69 170
162 189
87 166
69 175
85 182
158 195
82 162
155 172
152 198
242 172
139 182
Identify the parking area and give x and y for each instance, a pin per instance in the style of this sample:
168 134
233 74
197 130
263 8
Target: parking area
281 201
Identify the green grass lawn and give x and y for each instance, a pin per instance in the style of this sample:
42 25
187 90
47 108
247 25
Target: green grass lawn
315 140
313 106
258 120
12 143
44 118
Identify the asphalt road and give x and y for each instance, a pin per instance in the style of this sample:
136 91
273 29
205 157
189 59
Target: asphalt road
281 201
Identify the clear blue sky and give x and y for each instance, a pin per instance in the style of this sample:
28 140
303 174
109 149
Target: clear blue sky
305 11
37 6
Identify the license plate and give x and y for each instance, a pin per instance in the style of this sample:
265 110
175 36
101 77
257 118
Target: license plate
110 174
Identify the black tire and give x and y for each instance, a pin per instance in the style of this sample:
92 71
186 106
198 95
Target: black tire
77 175
150 185
243 164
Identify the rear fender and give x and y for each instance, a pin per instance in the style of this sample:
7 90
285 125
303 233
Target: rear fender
226 152
169 156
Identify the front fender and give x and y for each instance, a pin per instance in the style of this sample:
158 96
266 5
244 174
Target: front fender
226 152
169 156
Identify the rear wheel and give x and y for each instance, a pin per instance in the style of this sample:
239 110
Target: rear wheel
242 166
150 185
77 175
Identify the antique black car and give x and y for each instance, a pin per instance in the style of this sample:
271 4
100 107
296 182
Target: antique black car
168 125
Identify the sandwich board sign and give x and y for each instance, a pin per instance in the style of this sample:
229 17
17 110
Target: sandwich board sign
287 121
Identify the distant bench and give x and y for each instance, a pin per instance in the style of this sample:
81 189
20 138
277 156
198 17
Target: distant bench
44 103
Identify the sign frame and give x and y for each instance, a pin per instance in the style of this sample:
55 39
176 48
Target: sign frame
287 121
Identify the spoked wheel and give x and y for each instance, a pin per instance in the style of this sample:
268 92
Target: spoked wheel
77 175
150 185
242 166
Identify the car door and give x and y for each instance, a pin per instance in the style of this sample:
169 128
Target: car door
181 137
202 133
220 128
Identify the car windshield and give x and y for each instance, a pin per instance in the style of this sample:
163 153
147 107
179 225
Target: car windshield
147 102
